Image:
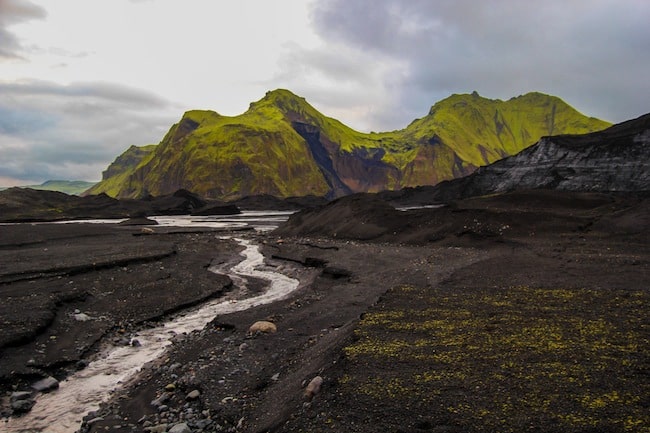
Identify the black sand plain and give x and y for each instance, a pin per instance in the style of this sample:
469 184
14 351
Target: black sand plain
526 311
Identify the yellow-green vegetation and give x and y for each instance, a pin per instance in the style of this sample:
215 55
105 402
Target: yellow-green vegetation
118 174
264 150
508 360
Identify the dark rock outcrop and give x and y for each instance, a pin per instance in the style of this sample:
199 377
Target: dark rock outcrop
614 160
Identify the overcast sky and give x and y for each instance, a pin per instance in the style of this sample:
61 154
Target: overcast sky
82 80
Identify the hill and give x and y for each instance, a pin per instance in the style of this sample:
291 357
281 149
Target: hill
284 147
73 187
616 159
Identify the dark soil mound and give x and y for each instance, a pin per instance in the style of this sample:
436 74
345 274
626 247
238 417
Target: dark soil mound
359 216
498 218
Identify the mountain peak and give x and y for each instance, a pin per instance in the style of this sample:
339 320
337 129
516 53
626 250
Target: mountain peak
282 99
283 146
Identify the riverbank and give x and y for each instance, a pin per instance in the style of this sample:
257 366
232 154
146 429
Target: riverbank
490 315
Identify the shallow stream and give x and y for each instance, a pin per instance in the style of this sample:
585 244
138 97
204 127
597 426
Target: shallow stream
61 411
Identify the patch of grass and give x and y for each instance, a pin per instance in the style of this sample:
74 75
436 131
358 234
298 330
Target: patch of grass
508 360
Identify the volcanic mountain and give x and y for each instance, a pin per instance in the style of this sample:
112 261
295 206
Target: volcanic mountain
616 159
284 147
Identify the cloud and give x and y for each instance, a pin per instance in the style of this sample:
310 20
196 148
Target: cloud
594 54
52 131
14 12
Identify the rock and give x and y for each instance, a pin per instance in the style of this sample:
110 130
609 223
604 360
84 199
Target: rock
20 395
147 231
81 317
193 395
180 428
170 387
22 406
263 326
164 397
136 343
94 420
45 385
313 387
275 377
160 428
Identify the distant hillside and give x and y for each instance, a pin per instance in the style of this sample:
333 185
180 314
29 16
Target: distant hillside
616 159
284 147
72 187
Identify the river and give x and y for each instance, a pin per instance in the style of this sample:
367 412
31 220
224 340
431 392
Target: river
61 411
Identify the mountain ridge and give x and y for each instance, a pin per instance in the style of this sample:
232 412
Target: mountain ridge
283 146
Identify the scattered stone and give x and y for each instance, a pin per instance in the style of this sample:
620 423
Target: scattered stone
82 317
275 377
45 385
263 326
94 420
164 397
193 395
22 406
170 387
160 428
136 343
180 428
243 347
313 388
20 395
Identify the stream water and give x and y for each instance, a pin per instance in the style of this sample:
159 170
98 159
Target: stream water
61 411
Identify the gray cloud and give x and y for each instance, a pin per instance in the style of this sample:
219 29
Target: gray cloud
593 54
50 131
13 12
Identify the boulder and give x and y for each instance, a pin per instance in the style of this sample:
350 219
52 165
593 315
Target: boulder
313 387
263 326
45 385
180 428
22 406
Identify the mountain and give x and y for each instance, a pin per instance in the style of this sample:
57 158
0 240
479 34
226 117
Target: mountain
283 146
74 187
616 159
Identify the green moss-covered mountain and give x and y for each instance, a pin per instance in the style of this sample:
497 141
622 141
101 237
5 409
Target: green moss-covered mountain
284 147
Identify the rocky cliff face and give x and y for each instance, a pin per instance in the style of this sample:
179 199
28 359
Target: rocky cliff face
616 159
284 147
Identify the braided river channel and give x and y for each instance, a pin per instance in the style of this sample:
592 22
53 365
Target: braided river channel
62 410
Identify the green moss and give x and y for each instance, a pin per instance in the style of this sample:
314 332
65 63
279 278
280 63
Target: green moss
260 152
498 360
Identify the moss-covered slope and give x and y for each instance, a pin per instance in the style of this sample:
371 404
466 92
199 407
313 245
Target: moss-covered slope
284 147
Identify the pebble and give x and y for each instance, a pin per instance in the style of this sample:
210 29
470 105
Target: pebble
45 385
22 406
180 428
313 388
170 387
193 395
20 395
160 428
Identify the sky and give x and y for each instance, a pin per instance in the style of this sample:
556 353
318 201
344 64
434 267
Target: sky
82 80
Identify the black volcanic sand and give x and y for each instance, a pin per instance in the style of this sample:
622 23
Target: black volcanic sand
523 312
120 277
